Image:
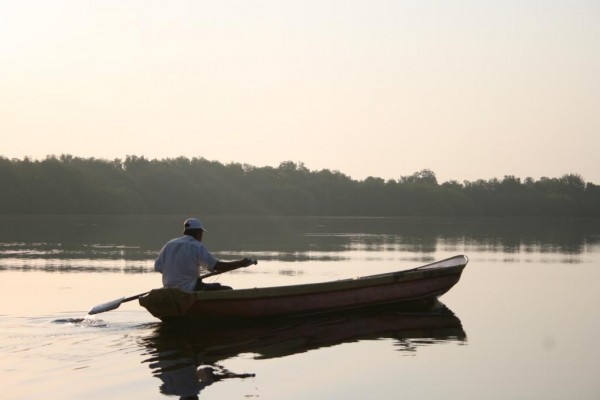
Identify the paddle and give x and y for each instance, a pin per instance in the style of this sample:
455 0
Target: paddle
112 305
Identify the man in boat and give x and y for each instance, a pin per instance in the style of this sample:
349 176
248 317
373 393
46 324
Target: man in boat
180 260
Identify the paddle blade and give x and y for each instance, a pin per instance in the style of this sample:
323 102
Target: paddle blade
111 305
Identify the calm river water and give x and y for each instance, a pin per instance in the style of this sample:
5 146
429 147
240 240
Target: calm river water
523 322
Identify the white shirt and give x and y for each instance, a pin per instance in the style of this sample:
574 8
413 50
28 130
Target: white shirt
180 261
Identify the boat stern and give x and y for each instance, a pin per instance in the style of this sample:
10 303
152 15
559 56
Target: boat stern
167 302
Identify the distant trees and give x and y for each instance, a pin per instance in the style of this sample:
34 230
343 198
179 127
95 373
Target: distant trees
136 185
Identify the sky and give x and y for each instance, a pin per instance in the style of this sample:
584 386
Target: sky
468 89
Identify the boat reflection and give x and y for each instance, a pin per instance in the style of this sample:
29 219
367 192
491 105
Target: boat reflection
185 356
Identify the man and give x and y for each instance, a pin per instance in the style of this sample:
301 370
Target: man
180 260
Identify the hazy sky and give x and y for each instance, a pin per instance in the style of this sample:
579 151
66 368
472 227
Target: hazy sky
469 89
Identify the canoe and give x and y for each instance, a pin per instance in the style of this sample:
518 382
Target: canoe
415 286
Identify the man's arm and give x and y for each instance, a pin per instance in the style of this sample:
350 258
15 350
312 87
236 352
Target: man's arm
224 266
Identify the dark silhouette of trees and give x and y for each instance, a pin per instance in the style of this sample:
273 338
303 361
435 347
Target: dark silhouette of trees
136 185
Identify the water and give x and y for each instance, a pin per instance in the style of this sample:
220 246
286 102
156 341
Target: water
523 322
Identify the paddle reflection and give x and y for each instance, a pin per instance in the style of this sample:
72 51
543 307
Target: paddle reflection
186 356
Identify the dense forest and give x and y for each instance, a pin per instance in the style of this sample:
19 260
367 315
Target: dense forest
136 185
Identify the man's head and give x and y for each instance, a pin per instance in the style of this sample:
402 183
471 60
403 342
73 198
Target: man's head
193 227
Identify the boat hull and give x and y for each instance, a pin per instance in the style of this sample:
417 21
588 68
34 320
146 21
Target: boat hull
416 286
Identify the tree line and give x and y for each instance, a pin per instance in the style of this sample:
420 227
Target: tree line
137 185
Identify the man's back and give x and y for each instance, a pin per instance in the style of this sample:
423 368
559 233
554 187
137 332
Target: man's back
179 261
